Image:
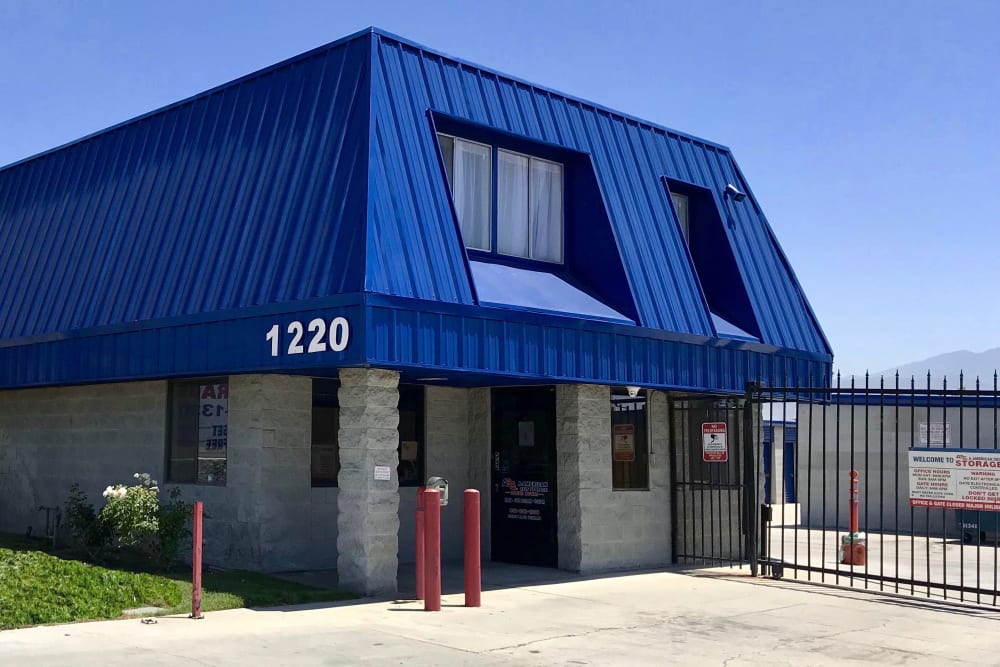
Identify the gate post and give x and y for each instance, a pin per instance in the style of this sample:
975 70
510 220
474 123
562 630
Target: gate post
750 511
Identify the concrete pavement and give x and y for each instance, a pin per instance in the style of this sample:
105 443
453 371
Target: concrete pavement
653 618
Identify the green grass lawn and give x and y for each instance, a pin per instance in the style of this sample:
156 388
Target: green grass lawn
37 587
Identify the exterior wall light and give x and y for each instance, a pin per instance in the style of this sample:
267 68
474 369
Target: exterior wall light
734 193
632 391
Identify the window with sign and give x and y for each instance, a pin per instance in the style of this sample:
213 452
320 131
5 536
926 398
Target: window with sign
629 440
326 431
198 436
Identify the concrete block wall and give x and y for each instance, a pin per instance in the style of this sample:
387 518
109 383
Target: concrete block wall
51 438
601 528
448 441
265 518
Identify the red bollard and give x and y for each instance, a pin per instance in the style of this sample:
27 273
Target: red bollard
432 550
473 576
420 543
196 539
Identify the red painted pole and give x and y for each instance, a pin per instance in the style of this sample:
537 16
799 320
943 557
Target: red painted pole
473 576
420 543
853 521
196 540
432 550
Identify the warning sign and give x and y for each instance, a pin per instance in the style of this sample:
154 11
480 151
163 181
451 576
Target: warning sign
955 479
714 447
623 442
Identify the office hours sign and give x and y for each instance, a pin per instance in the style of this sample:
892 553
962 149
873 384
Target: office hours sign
714 443
966 479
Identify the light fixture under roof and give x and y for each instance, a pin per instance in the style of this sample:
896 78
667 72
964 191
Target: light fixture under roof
734 192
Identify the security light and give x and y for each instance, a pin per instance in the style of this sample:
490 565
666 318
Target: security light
632 391
734 193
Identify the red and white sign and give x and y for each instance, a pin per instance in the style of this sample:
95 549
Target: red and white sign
714 446
624 442
955 479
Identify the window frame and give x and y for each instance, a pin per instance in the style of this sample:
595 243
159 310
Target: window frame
171 430
320 389
495 148
647 423
685 221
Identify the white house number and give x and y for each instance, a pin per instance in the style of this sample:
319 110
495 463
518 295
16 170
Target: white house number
321 337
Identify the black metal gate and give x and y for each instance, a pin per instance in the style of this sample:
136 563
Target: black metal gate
927 487
715 481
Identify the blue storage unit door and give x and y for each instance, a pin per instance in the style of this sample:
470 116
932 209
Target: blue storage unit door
789 464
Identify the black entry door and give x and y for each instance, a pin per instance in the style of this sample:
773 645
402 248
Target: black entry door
524 476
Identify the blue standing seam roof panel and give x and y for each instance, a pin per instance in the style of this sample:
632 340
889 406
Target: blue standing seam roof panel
250 194
630 157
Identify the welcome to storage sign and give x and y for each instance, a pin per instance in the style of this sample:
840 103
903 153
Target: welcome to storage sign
966 479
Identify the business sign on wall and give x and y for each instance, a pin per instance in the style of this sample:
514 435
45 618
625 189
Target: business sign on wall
714 447
935 434
955 479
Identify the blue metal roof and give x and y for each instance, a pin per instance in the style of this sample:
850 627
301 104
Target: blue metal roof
250 194
171 244
630 157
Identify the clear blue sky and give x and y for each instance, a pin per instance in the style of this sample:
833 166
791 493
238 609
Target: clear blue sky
869 131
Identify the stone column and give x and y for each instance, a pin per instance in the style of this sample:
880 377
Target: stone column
367 508
583 451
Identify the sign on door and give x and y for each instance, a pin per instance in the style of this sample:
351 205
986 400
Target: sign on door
714 445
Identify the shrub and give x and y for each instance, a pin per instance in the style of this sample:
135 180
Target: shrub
88 530
132 522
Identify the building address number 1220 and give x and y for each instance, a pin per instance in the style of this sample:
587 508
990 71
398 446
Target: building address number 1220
317 336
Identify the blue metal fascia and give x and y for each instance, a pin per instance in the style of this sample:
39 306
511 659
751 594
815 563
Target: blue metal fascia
477 344
208 345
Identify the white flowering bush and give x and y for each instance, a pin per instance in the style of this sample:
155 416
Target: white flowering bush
133 521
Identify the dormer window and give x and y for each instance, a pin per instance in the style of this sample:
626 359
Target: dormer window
681 207
527 221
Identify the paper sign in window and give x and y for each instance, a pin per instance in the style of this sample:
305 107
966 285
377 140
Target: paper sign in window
623 442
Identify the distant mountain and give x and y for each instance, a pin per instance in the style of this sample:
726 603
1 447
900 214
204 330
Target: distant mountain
949 365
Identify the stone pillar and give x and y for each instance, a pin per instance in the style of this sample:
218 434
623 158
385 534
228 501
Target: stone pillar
583 451
368 509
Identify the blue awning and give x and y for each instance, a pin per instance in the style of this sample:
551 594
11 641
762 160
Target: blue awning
508 287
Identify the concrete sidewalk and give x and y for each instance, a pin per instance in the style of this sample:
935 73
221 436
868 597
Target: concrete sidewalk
656 618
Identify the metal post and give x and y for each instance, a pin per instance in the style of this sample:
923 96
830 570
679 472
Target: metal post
432 550
420 543
196 540
473 576
750 481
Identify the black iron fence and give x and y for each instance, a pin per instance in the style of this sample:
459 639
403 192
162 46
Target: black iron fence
926 492
714 473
